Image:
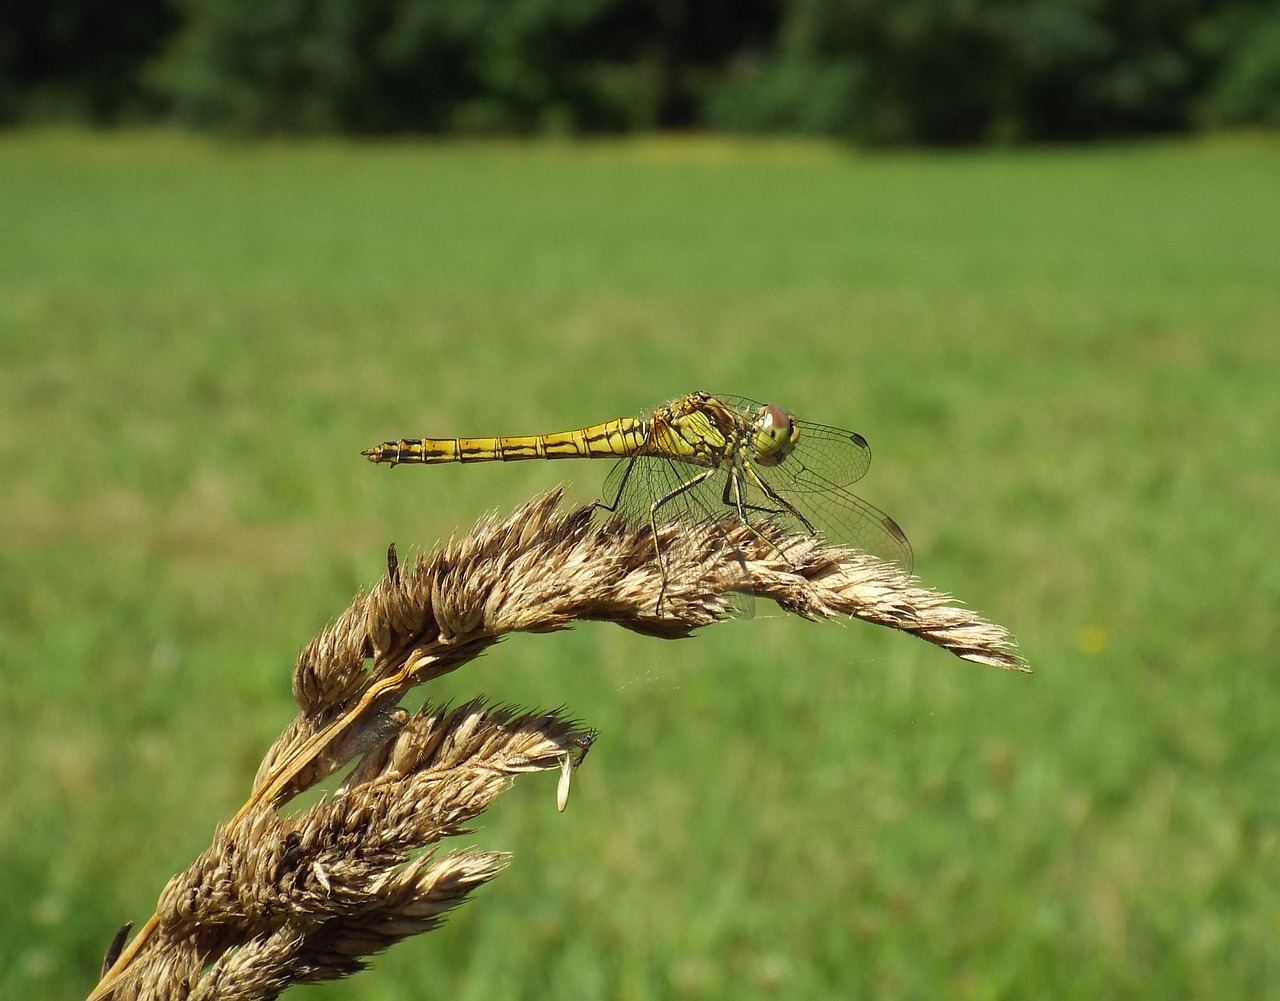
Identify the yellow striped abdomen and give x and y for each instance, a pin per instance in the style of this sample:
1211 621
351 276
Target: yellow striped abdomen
611 440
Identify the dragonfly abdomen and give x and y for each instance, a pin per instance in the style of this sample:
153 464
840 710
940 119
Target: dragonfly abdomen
611 440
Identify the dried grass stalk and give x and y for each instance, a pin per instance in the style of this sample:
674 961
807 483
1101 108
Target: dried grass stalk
279 900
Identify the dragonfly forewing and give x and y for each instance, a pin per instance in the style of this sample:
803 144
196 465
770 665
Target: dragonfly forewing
795 498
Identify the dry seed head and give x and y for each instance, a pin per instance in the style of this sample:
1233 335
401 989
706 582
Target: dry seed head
280 900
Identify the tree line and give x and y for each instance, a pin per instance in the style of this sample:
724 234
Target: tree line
875 71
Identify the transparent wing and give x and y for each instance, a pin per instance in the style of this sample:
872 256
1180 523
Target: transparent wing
635 484
839 515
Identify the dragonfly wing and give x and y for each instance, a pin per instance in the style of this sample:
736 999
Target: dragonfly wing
826 455
839 515
836 513
844 518
635 484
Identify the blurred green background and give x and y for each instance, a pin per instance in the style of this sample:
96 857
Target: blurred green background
1066 362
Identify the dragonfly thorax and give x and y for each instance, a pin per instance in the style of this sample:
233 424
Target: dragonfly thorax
776 434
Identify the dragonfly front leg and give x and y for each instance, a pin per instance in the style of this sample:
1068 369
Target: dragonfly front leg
777 498
739 504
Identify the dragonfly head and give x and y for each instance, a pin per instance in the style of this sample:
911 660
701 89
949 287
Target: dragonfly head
776 434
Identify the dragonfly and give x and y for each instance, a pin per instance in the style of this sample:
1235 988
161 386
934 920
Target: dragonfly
699 458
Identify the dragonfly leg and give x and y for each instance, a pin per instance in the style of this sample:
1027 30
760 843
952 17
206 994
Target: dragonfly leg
733 484
777 498
612 506
741 507
653 521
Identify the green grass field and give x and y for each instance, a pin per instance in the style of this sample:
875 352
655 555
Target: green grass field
1067 362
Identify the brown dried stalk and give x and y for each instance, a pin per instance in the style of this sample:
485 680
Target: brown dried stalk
279 900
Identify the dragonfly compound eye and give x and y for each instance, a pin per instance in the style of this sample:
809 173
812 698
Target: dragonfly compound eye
776 434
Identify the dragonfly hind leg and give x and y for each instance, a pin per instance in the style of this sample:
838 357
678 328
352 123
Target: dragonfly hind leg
615 506
612 506
653 521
